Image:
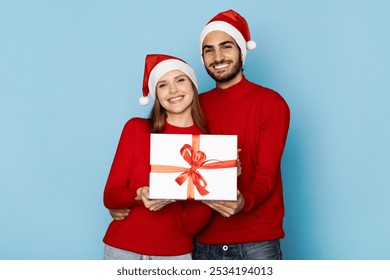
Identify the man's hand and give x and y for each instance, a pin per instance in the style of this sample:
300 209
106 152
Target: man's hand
227 208
239 168
119 214
151 204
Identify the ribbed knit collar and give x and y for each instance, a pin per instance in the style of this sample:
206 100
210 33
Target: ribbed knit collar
240 89
169 128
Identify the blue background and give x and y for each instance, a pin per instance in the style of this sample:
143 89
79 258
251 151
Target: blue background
70 77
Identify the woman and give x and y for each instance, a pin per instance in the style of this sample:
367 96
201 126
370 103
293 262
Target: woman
154 229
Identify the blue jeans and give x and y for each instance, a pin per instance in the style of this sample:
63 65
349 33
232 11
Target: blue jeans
267 250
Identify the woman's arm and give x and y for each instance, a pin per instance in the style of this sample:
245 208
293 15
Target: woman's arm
117 194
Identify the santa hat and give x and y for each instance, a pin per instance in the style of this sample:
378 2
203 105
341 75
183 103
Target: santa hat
156 66
233 24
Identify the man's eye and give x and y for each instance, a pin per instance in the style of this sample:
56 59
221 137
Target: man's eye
181 80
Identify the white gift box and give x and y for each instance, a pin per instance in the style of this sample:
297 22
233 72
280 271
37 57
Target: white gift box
199 167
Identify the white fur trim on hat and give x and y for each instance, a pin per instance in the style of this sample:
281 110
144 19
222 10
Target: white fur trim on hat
166 66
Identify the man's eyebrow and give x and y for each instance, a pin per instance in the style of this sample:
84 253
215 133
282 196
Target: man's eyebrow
226 43
207 47
220 44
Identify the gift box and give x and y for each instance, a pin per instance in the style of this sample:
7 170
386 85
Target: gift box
193 167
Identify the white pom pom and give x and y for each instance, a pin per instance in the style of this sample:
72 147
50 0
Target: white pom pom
251 45
144 100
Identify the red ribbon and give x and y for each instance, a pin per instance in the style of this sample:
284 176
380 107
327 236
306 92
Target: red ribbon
197 160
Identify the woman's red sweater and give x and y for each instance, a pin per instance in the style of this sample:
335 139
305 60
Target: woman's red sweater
166 232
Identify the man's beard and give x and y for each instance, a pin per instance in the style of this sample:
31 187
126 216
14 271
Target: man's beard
226 77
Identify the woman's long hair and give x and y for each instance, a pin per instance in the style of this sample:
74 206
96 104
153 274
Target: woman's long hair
158 114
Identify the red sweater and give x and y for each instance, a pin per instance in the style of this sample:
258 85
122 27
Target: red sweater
260 117
166 232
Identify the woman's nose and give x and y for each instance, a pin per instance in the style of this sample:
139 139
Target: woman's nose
173 89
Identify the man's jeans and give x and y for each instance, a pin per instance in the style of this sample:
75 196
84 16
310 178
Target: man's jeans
267 250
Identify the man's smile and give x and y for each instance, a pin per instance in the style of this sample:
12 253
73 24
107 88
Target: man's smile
221 66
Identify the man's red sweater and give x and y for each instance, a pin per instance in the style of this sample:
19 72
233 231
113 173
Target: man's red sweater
166 232
260 117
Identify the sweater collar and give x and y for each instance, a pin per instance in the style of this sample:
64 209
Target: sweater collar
169 128
239 89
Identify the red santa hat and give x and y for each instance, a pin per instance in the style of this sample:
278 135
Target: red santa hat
233 24
156 66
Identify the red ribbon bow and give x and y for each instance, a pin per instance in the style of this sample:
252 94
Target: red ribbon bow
197 160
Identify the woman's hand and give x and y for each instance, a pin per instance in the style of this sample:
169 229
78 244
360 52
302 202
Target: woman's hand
151 204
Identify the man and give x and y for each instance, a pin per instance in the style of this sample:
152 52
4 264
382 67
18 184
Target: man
251 226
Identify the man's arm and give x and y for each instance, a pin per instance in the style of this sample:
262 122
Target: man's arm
119 214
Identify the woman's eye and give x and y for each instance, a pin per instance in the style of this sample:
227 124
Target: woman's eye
161 85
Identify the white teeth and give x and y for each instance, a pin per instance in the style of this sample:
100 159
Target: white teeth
175 99
221 66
